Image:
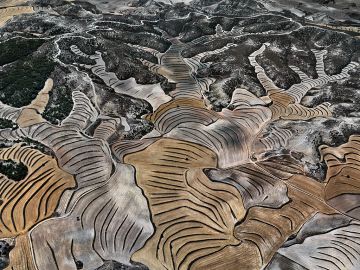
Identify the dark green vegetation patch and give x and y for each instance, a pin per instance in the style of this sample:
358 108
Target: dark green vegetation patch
17 48
13 170
21 81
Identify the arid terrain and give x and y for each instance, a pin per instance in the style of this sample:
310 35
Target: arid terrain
176 135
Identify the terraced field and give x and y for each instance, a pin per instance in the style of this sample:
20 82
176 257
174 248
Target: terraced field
220 177
7 13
